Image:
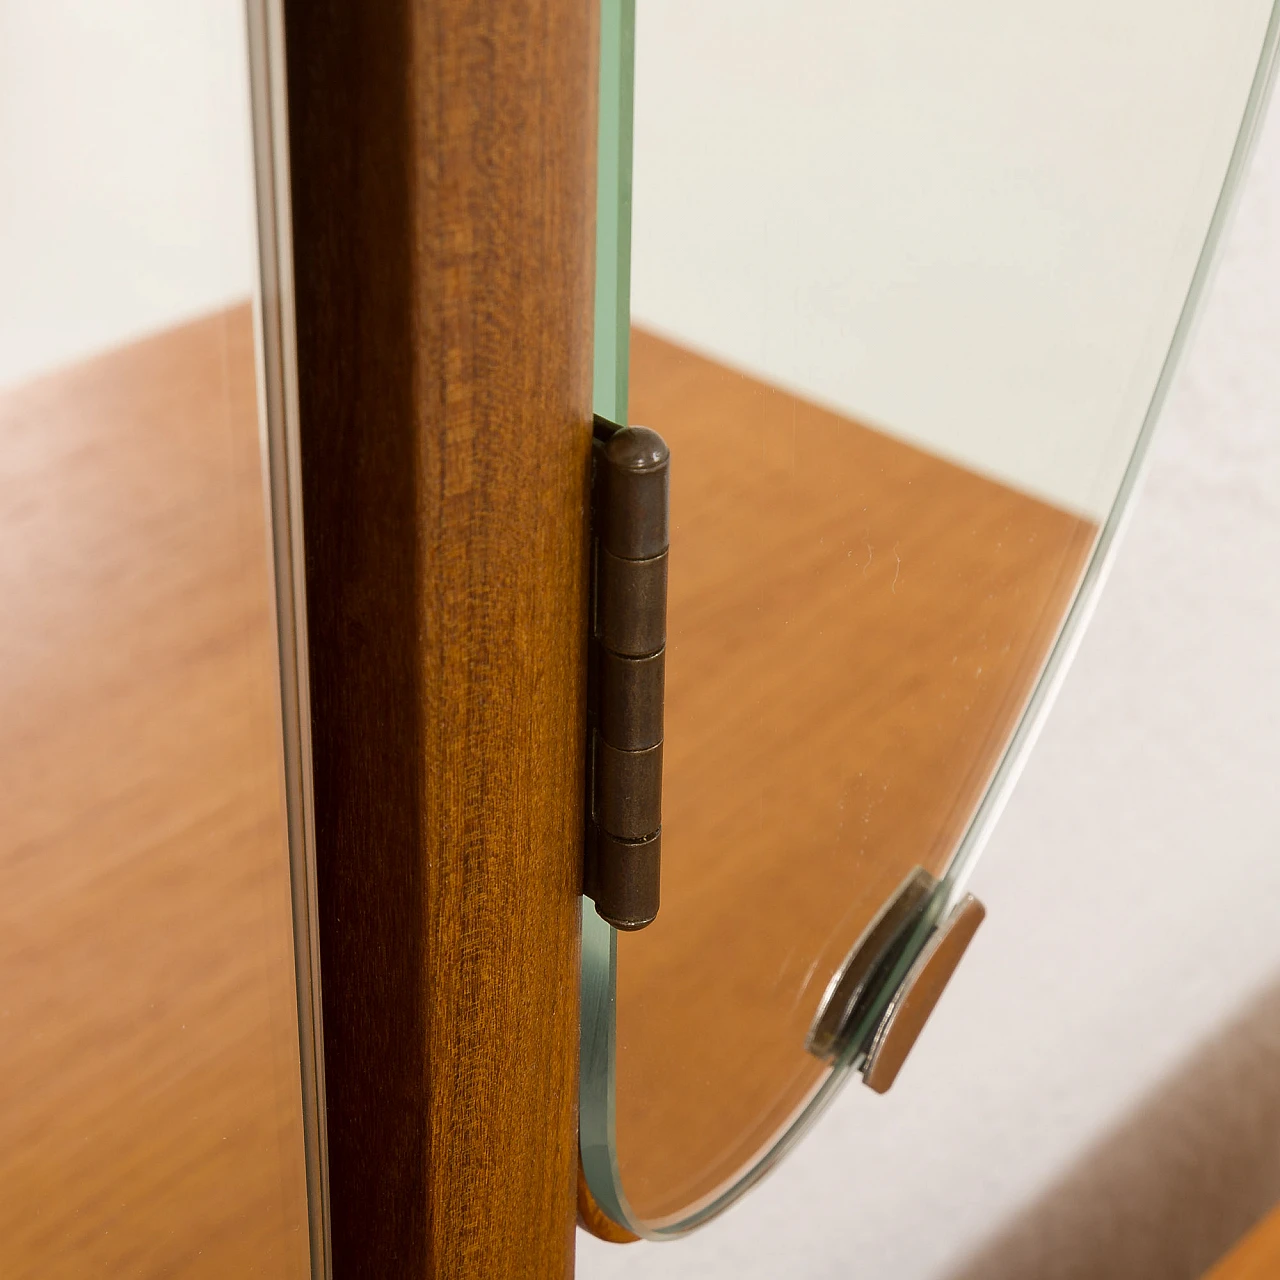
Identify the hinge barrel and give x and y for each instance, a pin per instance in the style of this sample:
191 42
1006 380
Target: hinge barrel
631 700
630 522
631 604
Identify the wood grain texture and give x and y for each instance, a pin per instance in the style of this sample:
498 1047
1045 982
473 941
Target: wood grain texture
443 196
150 1096
854 627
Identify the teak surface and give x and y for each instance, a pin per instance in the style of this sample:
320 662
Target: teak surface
854 626
1256 1257
443 164
150 1100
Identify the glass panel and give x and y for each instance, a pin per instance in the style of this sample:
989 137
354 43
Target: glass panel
906 284
152 1119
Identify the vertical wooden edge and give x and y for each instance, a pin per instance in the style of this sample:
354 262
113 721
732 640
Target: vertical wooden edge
592 1218
443 195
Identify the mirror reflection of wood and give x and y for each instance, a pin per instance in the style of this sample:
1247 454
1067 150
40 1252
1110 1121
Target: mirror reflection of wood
152 1123
854 628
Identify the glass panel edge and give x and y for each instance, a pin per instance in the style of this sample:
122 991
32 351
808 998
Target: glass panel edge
278 423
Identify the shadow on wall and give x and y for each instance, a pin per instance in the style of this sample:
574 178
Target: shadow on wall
1168 1191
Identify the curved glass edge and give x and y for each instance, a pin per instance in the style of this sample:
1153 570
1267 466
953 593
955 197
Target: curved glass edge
278 424
597 1134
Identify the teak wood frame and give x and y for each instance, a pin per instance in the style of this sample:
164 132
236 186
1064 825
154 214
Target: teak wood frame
443 194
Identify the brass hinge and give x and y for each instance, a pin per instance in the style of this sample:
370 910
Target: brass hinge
630 475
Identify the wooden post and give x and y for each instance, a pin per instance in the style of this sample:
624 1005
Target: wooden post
443 196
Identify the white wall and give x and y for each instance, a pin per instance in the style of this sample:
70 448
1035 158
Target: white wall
1134 895
976 234
126 187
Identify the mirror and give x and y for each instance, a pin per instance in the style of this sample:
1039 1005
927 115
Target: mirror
160 1105
906 286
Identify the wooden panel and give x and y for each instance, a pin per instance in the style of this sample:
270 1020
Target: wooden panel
855 625
151 1123
443 191
1256 1257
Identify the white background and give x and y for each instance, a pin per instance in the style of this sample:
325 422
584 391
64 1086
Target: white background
1105 1065
972 226
126 196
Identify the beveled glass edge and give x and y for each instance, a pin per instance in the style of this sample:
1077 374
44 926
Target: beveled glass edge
279 441
597 1130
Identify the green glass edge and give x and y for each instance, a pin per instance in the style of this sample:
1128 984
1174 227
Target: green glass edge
613 209
596 1141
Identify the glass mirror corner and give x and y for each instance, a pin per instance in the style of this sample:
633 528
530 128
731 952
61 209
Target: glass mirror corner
928 275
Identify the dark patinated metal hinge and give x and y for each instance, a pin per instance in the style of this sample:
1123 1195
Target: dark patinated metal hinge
629 528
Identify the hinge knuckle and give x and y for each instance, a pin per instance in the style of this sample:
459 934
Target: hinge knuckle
628 875
631 700
634 470
631 606
629 790
630 503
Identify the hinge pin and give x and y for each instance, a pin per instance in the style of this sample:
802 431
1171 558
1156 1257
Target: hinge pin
630 501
